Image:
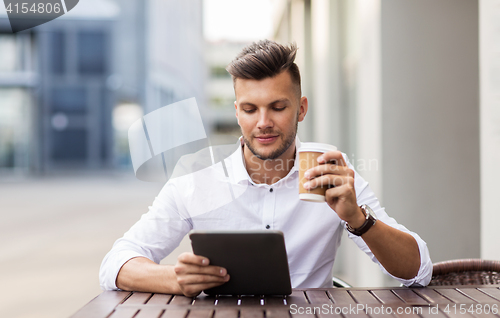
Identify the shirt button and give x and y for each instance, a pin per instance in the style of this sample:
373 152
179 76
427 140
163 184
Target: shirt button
271 190
268 226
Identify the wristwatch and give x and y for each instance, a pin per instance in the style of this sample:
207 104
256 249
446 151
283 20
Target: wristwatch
371 218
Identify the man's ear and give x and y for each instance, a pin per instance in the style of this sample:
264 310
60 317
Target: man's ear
304 105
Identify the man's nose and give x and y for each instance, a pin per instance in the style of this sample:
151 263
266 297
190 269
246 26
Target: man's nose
265 120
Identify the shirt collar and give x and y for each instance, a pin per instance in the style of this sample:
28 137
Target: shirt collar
240 173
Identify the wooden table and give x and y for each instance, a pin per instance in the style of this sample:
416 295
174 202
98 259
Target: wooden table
439 302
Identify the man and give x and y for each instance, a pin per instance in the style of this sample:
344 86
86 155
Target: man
262 178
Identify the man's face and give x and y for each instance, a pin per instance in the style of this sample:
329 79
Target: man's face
268 113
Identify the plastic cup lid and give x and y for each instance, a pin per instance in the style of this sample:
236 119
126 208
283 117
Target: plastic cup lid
316 147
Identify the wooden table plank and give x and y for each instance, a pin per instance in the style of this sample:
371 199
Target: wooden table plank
124 312
382 310
150 312
102 305
477 295
409 296
274 300
431 296
175 313
251 313
364 297
407 312
493 292
251 301
181 300
456 314
304 315
340 296
141 305
138 298
386 296
297 297
204 301
379 312
277 313
329 314
318 297
200 313
226 313
428 314
227 301
454 296
159 299
483 315
358 314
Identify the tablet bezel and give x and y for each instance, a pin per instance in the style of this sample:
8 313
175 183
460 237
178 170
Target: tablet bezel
255 260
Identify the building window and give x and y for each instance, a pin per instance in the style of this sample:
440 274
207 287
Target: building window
57 41
91 53
69 99
10 58
14 127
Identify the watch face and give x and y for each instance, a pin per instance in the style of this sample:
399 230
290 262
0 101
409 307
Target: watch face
369 211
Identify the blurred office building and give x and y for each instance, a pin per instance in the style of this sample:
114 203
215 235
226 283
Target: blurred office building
219 90
70 88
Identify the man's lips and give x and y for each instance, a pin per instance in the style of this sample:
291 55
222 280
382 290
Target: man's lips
265 139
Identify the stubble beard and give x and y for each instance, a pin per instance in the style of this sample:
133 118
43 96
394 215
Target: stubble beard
287 142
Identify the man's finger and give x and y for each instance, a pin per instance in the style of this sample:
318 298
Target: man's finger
328 169
201 279
183 269
195 289
190 258
332 156
328 180
340 191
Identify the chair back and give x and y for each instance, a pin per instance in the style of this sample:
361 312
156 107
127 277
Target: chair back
466 272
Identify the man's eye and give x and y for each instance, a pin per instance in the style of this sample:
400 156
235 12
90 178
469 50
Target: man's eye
278 109
249 111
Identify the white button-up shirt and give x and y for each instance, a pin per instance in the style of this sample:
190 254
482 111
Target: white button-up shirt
223 197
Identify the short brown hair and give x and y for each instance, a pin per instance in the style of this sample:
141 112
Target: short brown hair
265 59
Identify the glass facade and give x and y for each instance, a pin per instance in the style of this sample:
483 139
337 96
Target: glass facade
92 51
69 99
57 41
14 127
9 61
15 101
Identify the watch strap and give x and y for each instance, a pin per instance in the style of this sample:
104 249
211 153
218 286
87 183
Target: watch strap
369 222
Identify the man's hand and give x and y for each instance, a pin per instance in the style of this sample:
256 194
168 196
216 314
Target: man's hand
194 274
397 251
189 276
341 196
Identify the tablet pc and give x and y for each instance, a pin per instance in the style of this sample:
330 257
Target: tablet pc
255 260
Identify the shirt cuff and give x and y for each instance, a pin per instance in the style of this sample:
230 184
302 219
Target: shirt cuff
111 266
424 274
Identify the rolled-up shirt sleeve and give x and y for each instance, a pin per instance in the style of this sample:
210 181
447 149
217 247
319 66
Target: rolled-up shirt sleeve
154 236
365 195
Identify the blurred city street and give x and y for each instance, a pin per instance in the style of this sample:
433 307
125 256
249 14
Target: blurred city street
413 86
54 232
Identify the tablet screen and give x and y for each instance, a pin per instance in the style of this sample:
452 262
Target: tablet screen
255 260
